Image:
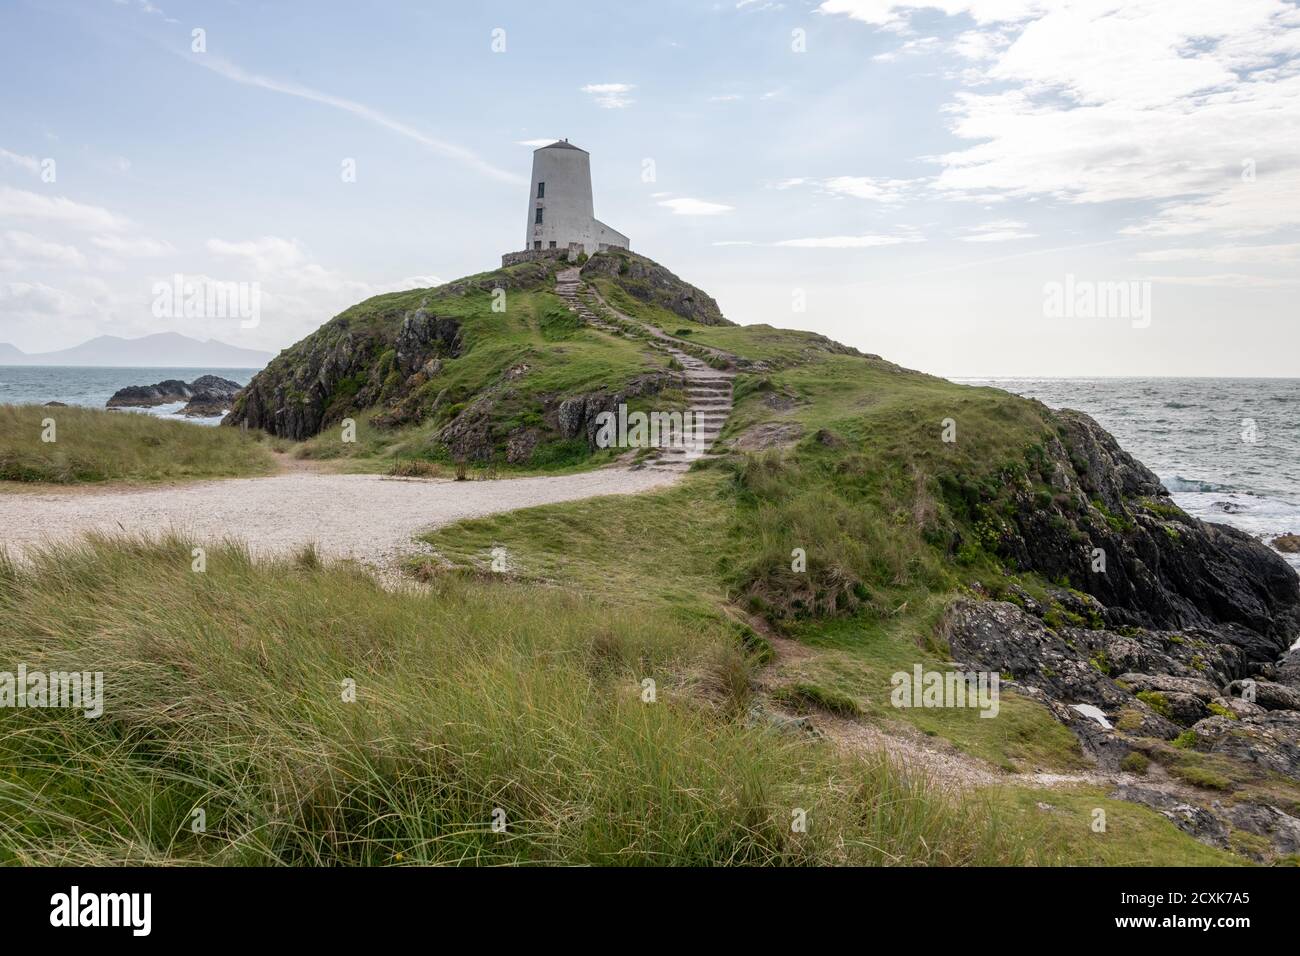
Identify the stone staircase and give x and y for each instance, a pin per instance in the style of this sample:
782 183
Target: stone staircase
708 390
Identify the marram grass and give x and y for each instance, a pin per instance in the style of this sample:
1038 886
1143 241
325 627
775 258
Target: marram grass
98 445
475 700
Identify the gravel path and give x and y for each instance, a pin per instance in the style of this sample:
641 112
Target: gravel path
366 517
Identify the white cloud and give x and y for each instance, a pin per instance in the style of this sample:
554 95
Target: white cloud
25 247
22 204
29 163
911 47
1231 280
849 242
140 247
610 96
36 299
452 151
1148 101
858 187
536 143
685 206
998 230
865 187
1263 255
885 12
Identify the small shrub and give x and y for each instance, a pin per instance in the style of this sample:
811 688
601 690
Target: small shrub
1157 702
1221 711
1135 762
803 696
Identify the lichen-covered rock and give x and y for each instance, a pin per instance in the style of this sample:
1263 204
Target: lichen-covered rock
1270 740
1266 694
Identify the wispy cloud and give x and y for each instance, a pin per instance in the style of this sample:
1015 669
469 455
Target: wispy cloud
610 96
686 206
849 242
29 163
999 230
141 247
23 246
469 158
22 204
1264 254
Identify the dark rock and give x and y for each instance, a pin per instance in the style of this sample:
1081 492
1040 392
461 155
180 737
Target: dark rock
1280 829
212 396
1270 741
1268 695
1167 683
997 636
147 396
1290 543
1164 569
1196 821
56 404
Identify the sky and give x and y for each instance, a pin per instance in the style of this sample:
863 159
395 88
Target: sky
966 187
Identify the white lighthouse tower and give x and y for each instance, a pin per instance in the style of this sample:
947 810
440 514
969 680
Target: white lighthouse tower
560 211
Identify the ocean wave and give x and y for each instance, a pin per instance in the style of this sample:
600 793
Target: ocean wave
1178 484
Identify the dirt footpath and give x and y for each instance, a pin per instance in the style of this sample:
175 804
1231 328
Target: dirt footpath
366 517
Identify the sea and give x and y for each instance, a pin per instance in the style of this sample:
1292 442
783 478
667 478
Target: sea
93 386
1228 449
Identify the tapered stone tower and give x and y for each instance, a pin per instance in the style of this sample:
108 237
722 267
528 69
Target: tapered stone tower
560 209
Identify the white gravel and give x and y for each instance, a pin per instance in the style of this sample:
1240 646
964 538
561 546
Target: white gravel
366 517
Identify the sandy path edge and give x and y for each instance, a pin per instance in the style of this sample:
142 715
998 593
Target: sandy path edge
369 518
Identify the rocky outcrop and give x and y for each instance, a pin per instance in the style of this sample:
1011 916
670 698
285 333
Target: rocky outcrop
146 396
650 282
211 396
1160 567
357 360
205 397
1182 695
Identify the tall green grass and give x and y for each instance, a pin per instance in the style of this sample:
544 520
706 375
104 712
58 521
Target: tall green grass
224 693
96 445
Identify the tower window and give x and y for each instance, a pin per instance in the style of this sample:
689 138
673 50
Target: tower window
552 244
537 243
541 190
538 219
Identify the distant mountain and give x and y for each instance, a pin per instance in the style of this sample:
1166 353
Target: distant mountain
161 350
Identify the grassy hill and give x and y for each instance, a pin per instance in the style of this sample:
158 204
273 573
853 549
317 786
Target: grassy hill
666 678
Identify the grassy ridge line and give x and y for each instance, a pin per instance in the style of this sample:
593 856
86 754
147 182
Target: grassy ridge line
223 693
96 445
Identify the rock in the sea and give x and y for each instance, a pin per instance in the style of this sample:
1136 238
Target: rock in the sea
1290 543
206 396
212 396
146 396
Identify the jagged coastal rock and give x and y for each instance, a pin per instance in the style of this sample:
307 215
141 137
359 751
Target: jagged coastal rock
1180 636
205 397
